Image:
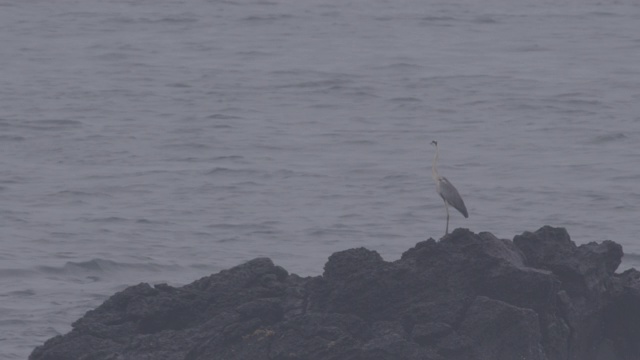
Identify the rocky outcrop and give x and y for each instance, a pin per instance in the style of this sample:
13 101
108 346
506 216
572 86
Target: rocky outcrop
466 297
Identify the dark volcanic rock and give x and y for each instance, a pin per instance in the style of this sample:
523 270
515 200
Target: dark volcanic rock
467 297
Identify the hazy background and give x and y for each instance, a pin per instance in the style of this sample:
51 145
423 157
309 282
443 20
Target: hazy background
162 141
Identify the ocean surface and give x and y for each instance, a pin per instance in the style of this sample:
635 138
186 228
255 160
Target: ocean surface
162 141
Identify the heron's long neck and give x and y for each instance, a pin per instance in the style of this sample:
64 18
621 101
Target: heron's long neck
434 169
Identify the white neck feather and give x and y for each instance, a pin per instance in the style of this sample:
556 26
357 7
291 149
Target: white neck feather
434 170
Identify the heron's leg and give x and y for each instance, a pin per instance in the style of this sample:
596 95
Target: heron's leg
446 206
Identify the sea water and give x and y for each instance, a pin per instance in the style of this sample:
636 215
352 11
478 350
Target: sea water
165 140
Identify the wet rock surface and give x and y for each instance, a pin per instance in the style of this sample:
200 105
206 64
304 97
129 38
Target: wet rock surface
466 297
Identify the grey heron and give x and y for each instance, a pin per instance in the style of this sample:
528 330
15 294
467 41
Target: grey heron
447 191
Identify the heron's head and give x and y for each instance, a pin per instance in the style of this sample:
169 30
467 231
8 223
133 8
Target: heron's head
434 143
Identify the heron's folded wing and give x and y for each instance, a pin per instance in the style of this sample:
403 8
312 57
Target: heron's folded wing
451 196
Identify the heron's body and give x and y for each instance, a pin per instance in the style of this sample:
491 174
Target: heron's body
446 190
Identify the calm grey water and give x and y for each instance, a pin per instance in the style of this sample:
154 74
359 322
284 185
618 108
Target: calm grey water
162 140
